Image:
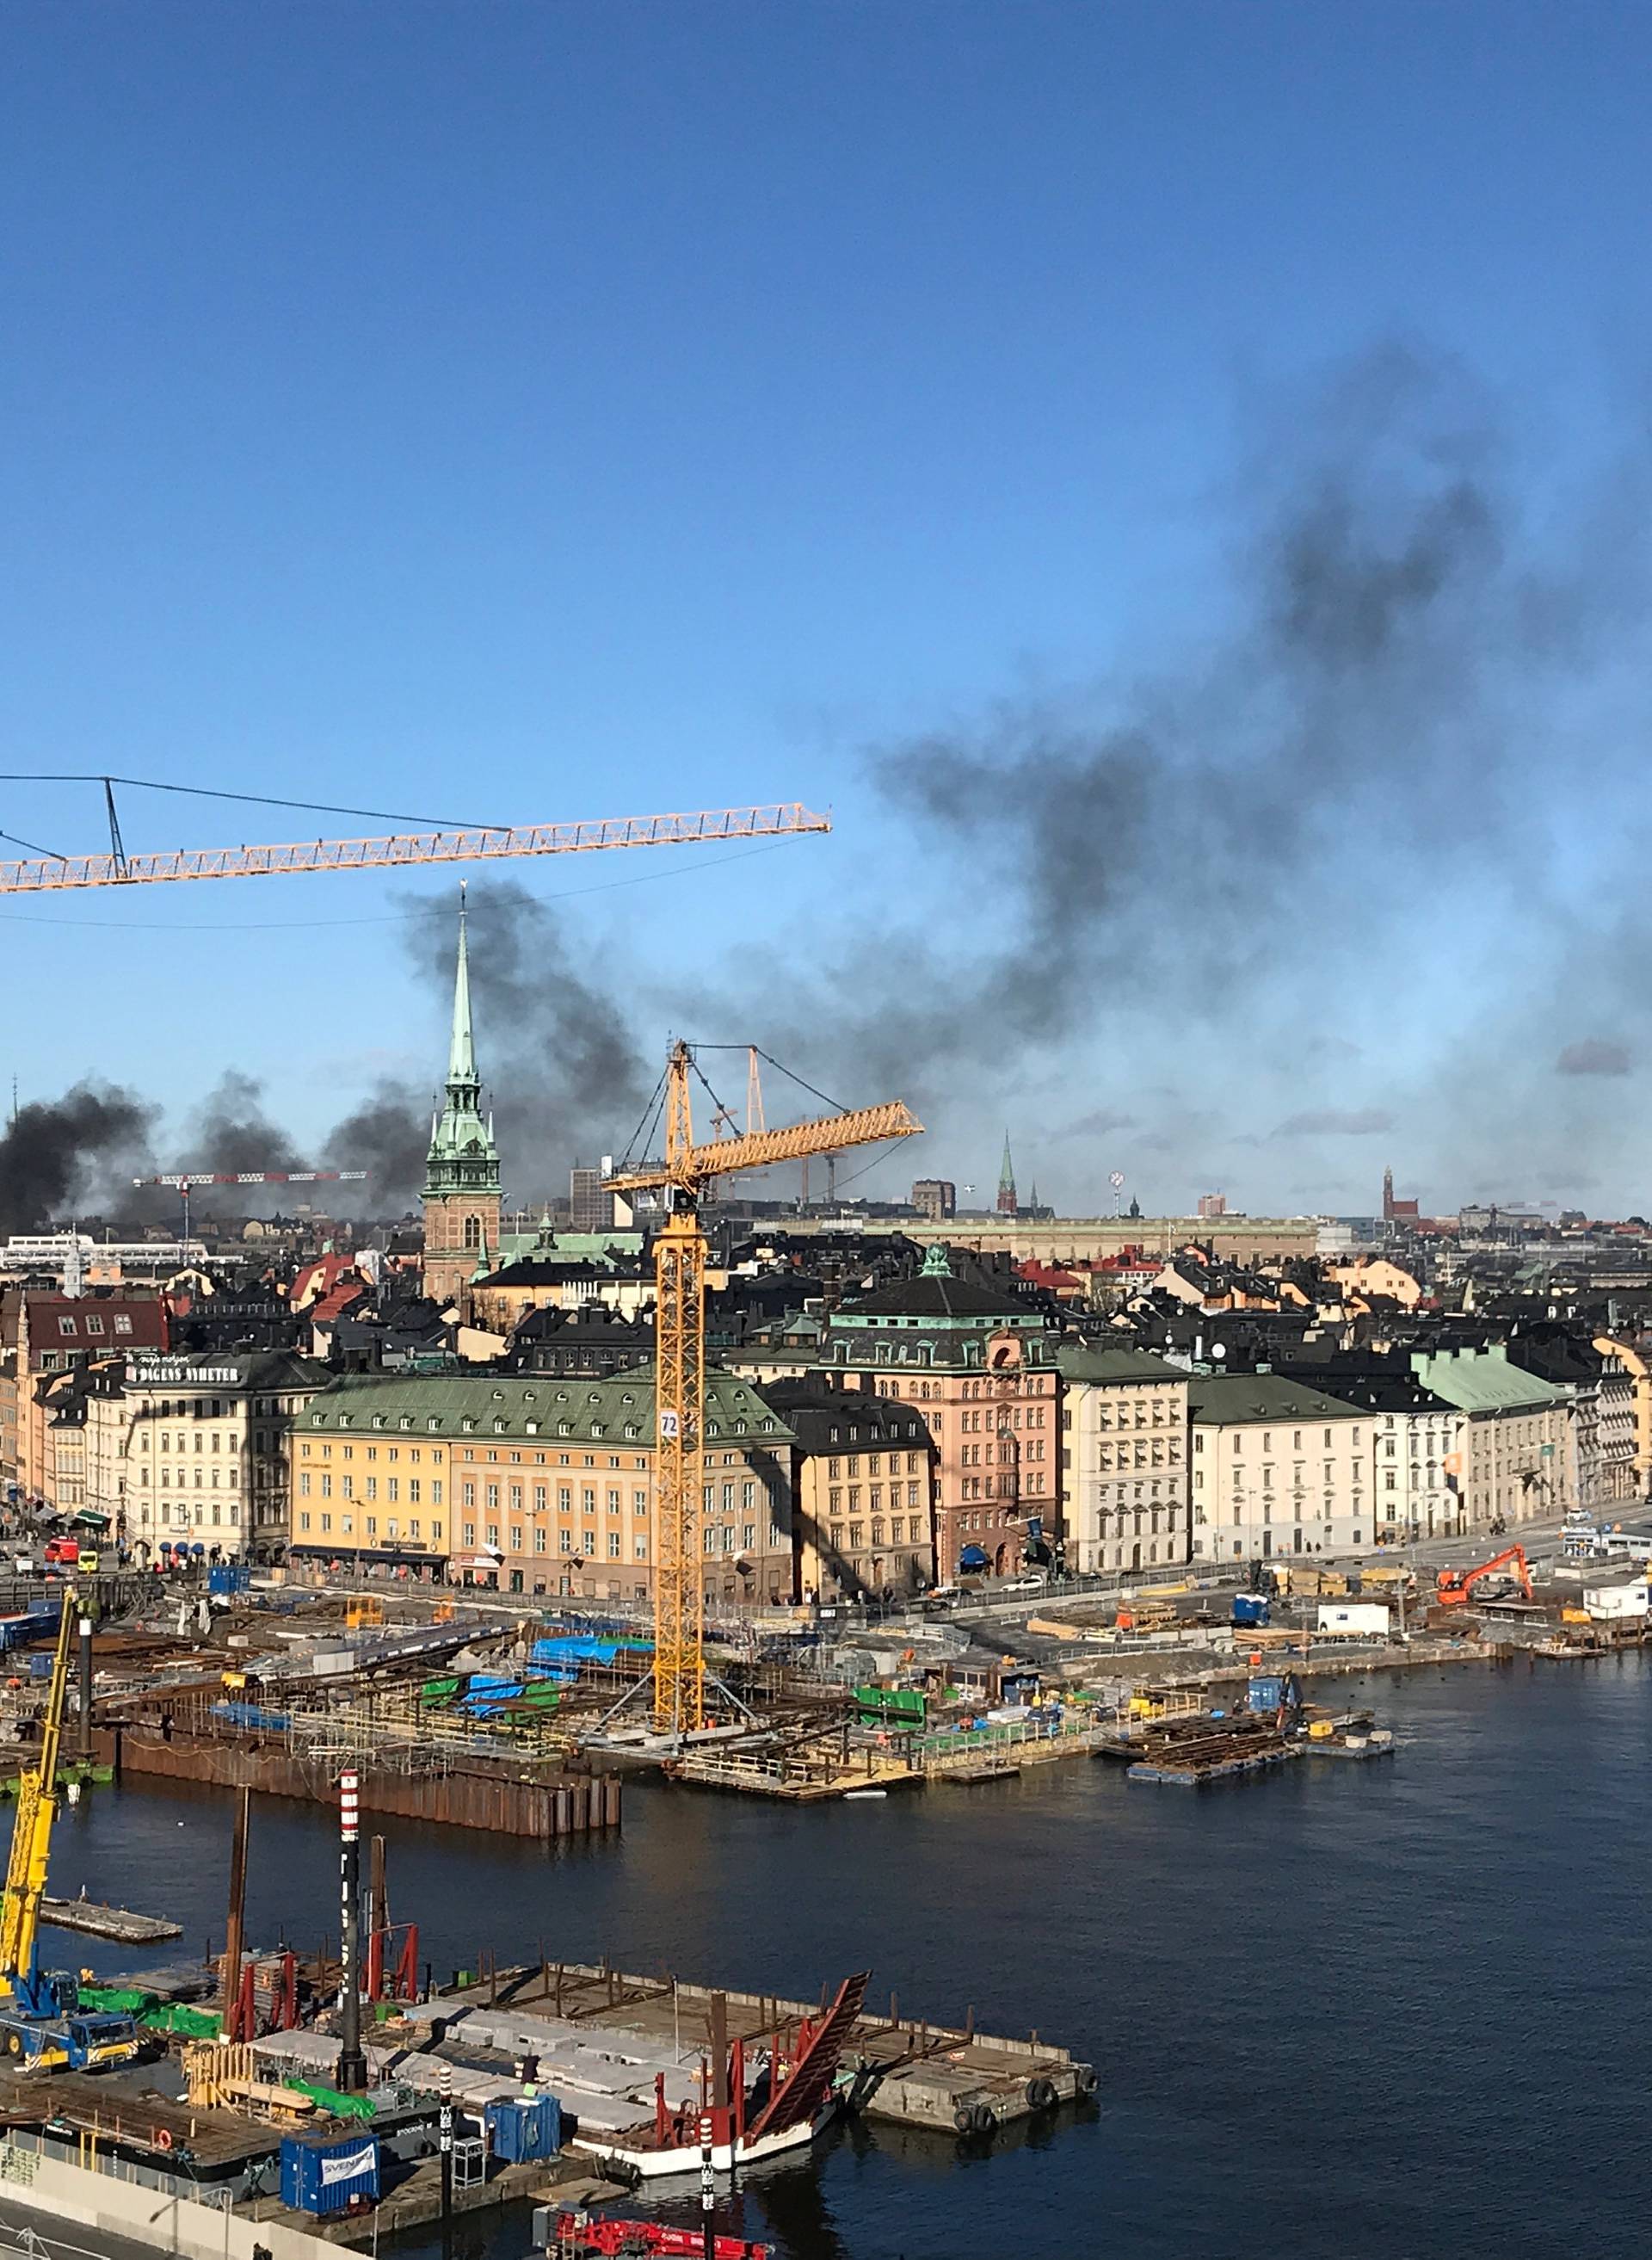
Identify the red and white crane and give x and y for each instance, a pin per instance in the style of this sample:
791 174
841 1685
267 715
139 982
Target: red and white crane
181 1180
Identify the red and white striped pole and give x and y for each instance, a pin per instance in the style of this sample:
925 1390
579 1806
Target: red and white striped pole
352 2074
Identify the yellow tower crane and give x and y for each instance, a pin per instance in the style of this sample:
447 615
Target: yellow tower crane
679 1270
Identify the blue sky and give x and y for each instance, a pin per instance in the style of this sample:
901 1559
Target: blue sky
503 413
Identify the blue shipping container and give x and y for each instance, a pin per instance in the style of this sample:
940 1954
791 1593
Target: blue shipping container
524 2127
323 2174
228 1578
1250 1609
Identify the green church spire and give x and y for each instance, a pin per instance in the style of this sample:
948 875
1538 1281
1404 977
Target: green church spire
462 1158
462 1051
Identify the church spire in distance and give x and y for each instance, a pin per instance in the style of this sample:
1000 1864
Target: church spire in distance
1007 1202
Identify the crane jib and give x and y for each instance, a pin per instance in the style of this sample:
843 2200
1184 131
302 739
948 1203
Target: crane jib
703 827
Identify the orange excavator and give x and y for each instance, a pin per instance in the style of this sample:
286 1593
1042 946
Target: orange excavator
1453 1587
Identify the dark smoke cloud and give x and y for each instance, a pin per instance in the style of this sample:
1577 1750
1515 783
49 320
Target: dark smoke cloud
1212 854
387 1136
1593 1056
1241 837
564 1071
1097 1125
231 1131
59 1154
1336 1122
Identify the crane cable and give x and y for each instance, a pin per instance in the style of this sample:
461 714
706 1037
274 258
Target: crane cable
254 799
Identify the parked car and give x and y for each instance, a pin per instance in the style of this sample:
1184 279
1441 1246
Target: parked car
63 1553
1031 1584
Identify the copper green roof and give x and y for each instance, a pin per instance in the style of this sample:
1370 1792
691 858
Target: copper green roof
1093 1361
1484 1381
620 1410
1226 1398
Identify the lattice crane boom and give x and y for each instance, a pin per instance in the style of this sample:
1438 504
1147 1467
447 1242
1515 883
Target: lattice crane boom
32 1830
694 1166
705 828
679 1260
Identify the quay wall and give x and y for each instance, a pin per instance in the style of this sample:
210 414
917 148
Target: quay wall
132 2209
572 1807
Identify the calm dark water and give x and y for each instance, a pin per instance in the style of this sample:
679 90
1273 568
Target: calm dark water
1391 2010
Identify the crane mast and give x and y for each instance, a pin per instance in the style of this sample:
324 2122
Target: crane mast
679 1273
32 1832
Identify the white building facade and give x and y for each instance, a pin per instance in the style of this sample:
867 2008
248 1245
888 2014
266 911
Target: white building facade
194 1452
1278 1468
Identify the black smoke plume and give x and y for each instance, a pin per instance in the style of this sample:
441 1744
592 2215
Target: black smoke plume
231 1131
387 1136
58 1155
564 1070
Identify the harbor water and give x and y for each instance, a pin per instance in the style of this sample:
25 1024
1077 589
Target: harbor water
1392 2009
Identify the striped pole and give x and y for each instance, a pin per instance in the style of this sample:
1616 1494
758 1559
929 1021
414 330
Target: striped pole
352 2075
445 2083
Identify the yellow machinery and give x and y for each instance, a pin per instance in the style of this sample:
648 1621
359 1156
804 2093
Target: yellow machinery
679 1269
40 2022
31 1831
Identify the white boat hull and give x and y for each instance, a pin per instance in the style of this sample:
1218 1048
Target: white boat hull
656 2165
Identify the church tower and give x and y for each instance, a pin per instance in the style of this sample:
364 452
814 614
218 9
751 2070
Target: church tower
461 1172
1007 1203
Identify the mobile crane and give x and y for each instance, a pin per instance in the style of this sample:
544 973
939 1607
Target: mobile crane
42 2025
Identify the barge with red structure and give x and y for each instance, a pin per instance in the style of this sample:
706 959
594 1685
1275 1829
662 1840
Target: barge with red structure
756 2098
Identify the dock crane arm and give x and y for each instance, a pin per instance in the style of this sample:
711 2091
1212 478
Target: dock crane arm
32 1832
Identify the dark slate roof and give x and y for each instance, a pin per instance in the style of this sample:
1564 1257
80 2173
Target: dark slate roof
1373 1388
936 1297
824 1420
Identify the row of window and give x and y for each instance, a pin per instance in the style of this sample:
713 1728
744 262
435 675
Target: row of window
902 1532
370 1527
874 1497
392 1488
914 1463
1236 1439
